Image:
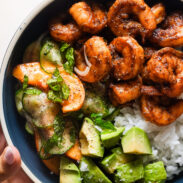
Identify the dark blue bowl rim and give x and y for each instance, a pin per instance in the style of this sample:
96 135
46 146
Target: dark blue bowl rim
3 69
6 59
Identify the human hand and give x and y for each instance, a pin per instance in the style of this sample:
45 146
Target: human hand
10 164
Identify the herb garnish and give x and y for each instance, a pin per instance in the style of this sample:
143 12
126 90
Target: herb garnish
25 82
33 91
58 88
29 91
56 139
67 53
101 123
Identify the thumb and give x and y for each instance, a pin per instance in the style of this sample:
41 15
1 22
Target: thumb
10 162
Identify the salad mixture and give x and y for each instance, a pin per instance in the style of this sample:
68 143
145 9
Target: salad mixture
76 80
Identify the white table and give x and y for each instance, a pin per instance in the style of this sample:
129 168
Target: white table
12 13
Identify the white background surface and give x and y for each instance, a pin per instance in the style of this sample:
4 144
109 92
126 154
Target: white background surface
12 13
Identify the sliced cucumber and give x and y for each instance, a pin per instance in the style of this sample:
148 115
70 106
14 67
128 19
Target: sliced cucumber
18 101
68 139
41 110
32 51
94 104
29 128
50 56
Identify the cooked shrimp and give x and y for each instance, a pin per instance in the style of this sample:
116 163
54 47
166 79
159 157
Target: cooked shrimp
161 110
159 12
166 68
125 92
90 19
93 61
148 52
171 33
150 90
122 25
68 33
128 66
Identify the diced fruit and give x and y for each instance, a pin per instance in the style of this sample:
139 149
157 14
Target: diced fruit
130 172
155 172
136 141
69 172
50 55
90 140
117 158
94 104
123 158
37 77
41 110
53 163
111 138
68 139
110 163
74 152
90 173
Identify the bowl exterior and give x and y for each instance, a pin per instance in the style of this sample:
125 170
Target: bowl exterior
12 123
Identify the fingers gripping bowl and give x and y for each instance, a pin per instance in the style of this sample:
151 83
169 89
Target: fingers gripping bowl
12 123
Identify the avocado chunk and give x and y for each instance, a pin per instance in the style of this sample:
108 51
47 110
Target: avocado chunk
136 141
90 140
94 104
69 172
117 158
90 173
155 173
111 138
129 172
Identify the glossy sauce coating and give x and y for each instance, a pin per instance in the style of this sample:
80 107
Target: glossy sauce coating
122 93
161 110
159 12
171 32
68 33
94 61
128 65
121 23
91 19
166 68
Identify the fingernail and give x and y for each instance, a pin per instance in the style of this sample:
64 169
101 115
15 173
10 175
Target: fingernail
8 156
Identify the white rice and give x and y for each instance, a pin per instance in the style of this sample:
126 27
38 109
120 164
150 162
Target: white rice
167 142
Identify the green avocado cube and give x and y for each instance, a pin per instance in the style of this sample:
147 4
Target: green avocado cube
123 158
90 172
130 172
117 158
136 141
111 138
155 173
69 172
90 141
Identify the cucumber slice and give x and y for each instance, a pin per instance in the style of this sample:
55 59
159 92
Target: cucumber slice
32 51
68 139
39 146
41 110
29 128
18 101
50 56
